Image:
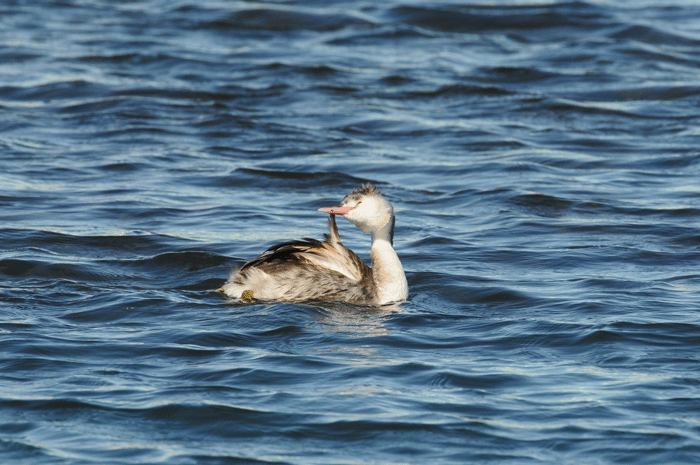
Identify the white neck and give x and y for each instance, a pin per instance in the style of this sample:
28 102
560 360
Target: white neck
387 272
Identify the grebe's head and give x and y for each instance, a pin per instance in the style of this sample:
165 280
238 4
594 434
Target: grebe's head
366 208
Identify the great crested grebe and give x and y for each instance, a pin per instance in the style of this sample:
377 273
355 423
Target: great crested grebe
309 269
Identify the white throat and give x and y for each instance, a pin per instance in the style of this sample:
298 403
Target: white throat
387 272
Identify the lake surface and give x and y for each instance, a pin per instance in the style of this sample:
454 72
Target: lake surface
543 159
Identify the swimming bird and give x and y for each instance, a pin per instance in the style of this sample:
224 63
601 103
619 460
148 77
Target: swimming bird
310 269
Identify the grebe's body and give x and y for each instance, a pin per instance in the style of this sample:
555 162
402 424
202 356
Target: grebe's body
327 270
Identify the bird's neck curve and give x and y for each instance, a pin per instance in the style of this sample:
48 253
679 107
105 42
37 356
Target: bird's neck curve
387 272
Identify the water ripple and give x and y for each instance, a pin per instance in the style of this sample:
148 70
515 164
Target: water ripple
542 160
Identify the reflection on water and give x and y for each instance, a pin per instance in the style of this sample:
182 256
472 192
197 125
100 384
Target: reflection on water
356 321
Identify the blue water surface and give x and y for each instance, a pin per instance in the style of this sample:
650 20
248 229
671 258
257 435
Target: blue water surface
543 159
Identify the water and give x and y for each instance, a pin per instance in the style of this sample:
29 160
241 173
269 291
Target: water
543 159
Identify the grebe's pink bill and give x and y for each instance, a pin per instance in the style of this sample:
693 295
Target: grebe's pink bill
336 210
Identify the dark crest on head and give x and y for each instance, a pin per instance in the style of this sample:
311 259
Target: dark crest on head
366 189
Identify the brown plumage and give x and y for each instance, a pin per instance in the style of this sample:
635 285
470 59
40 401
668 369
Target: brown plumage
301 258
